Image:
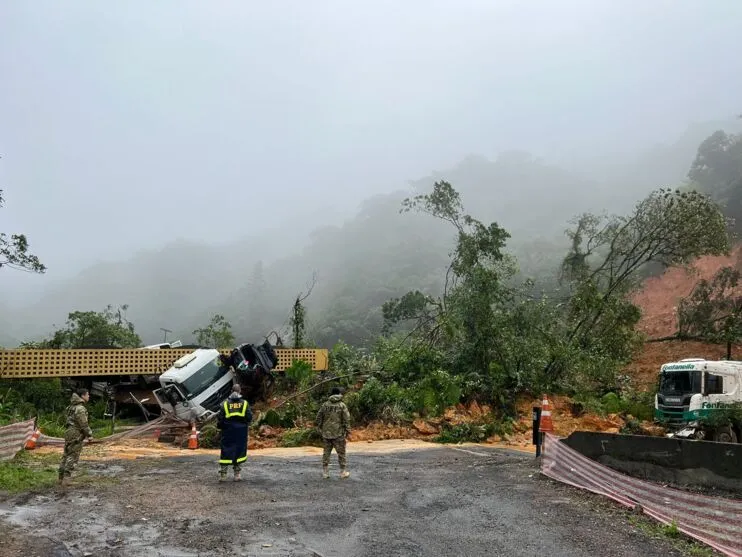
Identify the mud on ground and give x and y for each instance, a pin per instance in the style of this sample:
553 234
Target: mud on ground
402 499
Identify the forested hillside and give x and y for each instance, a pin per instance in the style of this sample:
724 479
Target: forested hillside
359 264
462 289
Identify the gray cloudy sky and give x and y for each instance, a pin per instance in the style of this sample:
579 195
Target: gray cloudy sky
128 124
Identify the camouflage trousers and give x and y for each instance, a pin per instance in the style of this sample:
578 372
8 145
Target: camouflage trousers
72 448
339 446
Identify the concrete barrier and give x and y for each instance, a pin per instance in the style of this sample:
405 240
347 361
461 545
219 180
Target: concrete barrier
716 521
676 461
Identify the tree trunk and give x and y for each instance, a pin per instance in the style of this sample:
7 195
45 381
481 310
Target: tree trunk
729 350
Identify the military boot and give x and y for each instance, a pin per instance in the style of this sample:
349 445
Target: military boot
344 474
325 471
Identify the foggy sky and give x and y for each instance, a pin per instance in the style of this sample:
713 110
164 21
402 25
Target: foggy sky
127 125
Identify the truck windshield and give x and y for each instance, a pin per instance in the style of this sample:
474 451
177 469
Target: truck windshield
203 378
680 382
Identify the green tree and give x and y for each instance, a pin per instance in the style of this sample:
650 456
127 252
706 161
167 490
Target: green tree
713 311
474 281
91 329
217 334
488 333
14 252
603 266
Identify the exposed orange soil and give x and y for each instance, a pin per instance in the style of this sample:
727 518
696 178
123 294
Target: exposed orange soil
658 299
660 295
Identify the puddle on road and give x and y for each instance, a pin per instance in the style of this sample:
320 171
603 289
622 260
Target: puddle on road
27 513
105 469
22 515
80 524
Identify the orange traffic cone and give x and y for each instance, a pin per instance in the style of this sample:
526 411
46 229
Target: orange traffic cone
193 439
31 443
547 423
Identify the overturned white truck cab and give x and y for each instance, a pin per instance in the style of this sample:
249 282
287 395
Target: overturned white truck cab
194 387
196 384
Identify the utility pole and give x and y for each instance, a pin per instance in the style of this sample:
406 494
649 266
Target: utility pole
166 332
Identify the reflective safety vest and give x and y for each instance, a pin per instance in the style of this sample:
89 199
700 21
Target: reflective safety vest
235 409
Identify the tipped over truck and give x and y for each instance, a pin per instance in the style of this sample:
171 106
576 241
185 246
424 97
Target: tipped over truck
197 383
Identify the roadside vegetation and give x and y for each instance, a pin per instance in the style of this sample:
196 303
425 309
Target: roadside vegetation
681 542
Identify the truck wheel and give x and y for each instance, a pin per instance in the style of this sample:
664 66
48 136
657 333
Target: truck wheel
725 435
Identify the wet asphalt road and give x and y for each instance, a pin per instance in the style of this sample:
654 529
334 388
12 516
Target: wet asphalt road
427 502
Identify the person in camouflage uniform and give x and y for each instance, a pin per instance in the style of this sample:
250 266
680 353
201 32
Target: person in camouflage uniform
78 430
333 422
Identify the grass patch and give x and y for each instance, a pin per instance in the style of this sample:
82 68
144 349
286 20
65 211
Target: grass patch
679 541
28 472
31 471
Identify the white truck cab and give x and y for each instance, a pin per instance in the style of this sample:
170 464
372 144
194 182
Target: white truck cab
195 385
693 389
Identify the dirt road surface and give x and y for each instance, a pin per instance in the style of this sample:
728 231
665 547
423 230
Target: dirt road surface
402 499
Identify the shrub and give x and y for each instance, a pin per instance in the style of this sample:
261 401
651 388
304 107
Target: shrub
374 401
209 437
466 432
435 392
611 403
21 399
346 359
725 414
274 418
406 363
640 405
301 437
475 432
298 374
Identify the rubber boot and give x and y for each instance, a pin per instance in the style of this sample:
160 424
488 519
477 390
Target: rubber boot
222 476
325 471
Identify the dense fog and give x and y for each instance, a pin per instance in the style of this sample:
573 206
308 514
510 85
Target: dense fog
188 159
